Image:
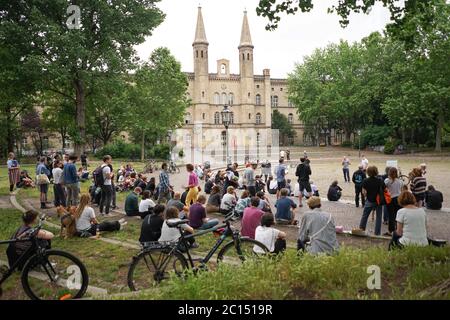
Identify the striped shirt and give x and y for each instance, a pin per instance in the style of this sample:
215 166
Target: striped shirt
418 185
164 184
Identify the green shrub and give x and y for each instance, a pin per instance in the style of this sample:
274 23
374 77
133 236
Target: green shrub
159 151
347 144
375 136
120 149
181 153
389 147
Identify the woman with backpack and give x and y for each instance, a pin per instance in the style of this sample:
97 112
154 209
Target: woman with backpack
394 185
86 222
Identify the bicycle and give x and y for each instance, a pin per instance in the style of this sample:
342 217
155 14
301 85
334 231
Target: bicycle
404 178
150 167
173 168
43 273
155 264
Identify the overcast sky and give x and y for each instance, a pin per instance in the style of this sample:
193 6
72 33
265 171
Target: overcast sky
297 36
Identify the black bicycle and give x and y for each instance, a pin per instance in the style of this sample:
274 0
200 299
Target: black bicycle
47 274
156 262
173 168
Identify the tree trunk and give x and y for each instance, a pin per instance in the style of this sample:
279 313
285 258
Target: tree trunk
80 116
348 135
143 146
440 125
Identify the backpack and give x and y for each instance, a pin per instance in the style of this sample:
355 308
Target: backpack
98 176
359 178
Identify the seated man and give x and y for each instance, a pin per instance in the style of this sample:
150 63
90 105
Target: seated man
132 203
318 228
209 185
197 215
285 208
152 224
334 192
433 198
214 200
176 202
251 218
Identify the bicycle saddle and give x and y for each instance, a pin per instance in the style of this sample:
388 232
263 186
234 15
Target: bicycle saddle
174 224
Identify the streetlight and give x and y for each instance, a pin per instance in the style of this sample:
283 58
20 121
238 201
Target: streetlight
359 143
226 120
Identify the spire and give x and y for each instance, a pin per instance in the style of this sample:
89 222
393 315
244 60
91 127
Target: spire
200 34
246 38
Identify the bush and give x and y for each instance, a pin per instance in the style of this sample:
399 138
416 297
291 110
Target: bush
120 149
389 146
375 136
347 144
159 151
181 153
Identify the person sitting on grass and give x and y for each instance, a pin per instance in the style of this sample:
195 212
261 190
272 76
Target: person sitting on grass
334 192
151 186
411 223
229 201
214 200
169 234
242 203
152 224
132 204
176 202
15 251
25 180
272 185
146 205
86 222
433 198
251 218
273 239
264 202
318 228
285 208
259 184
197 215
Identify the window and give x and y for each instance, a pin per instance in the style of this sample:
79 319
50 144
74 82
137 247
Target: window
203 116
273 89
203 94
274 100
249 116
281 89
248 56
196 54
258 118
230 99
258 99
257 86
202 53
290 104
224 98
243 56
248 94
217 118
223 69
216 98
223 138
232 117
187 118
290 118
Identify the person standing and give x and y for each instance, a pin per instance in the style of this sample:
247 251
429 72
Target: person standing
249 179
358 177
164 185
41 170
364 163
394 185
192 185
70 178
371 187
418 186
280 173
346 169
288 154
83 158
58 189
266 170
105 201
303 172
13 171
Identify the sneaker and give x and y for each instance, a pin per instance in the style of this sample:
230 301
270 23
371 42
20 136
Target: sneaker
122 225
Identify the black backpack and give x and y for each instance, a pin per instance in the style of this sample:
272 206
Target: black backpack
359 177
98 177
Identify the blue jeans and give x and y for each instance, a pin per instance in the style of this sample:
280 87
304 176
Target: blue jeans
346 172
211 223
368 207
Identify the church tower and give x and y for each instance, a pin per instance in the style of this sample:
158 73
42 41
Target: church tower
200 50
246 71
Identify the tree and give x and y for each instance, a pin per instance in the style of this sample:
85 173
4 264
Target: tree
158 96
103 45
281 122
32 126
271 9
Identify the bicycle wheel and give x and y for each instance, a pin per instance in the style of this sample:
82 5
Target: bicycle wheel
243 251
55 275
152 266
404 179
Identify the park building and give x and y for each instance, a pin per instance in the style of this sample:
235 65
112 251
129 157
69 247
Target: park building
251 99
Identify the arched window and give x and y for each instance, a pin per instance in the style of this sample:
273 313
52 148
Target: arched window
258 118
243 56
187 118
196 53
248 56
230 99
217 118
204 116
224 98
202 53
290 104
216 98
258 99
223 69
274 101
290 118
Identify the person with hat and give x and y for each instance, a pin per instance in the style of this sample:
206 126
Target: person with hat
318 228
